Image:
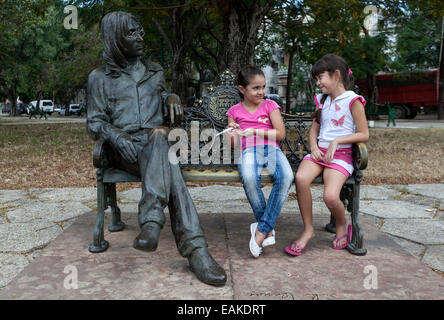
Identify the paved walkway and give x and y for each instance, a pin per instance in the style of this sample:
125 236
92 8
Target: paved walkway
409 124
44 236
6 120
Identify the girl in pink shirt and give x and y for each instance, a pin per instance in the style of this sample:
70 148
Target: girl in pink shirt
339 121
259 124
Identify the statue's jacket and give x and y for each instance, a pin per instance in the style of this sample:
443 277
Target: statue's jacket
119 105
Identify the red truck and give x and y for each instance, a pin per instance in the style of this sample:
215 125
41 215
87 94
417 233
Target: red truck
407 92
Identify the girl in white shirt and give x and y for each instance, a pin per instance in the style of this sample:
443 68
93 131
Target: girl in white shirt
338 122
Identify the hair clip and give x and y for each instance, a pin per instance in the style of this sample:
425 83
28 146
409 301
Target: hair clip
350 71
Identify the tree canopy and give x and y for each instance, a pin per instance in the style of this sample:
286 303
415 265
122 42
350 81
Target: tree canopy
195 40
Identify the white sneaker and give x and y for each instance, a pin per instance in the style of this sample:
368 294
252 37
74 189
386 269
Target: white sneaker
269 241
254 248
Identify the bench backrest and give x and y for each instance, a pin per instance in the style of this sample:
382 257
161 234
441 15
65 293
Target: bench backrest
208 116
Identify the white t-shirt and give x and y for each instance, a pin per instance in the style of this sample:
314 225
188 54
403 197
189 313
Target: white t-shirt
336 117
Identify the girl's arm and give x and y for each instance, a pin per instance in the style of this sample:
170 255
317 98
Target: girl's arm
313 134
276 134
361 135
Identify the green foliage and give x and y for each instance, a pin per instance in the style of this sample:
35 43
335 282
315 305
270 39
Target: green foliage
313 28
418 41
41 55
37 53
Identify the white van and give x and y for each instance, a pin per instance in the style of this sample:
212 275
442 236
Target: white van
45 105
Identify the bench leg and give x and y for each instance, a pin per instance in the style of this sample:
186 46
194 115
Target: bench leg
350 197
99 243
116 223
331 226
356 245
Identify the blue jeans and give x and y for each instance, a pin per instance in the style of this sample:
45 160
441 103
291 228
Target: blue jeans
251 163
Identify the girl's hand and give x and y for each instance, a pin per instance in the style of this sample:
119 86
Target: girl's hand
331 151
233 125
247 132
316 154
236 128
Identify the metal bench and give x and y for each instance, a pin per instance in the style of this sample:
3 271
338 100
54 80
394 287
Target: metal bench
210 113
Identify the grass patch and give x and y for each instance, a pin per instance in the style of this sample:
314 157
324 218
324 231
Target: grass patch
46 156
405 156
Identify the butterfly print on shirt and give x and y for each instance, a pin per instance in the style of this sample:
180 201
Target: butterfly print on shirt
339 122
263 119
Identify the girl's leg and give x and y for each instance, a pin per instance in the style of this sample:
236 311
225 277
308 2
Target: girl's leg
277 165
307 172
333 182
250 168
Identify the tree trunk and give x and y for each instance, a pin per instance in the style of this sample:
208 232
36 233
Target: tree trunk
12 96
178 43
441 92
241 22
39 97
66 102
238 49
441 77
179 83
372 89
289 82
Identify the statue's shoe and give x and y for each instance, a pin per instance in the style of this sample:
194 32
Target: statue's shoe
206 268
148 238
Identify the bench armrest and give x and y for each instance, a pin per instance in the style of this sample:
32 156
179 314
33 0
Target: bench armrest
296 117
360 156
99 158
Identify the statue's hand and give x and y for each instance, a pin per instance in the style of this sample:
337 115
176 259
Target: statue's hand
175 108
126 149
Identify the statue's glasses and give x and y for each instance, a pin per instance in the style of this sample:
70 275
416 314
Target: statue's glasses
135 34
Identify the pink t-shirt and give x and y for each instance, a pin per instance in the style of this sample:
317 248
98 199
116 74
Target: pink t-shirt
260 119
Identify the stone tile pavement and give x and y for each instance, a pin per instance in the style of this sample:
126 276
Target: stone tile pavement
410 215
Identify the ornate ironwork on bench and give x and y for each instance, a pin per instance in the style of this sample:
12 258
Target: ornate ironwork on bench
201 121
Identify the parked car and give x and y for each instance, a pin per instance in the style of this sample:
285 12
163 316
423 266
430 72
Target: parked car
45 105
74 109
62 111
22 108
57 108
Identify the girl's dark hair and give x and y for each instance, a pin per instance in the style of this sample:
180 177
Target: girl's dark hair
330 63
245 75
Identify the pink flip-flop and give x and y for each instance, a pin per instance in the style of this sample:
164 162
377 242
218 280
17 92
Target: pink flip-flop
292 252
348 235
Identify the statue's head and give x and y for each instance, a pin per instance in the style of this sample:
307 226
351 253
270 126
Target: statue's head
122 37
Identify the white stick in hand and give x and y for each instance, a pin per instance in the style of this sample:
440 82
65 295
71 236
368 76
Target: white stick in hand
222 132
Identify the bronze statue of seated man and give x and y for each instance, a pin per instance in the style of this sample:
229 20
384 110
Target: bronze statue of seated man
127 107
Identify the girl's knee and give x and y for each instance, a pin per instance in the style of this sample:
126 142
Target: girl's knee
287 178
302 179
249 178
331 199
